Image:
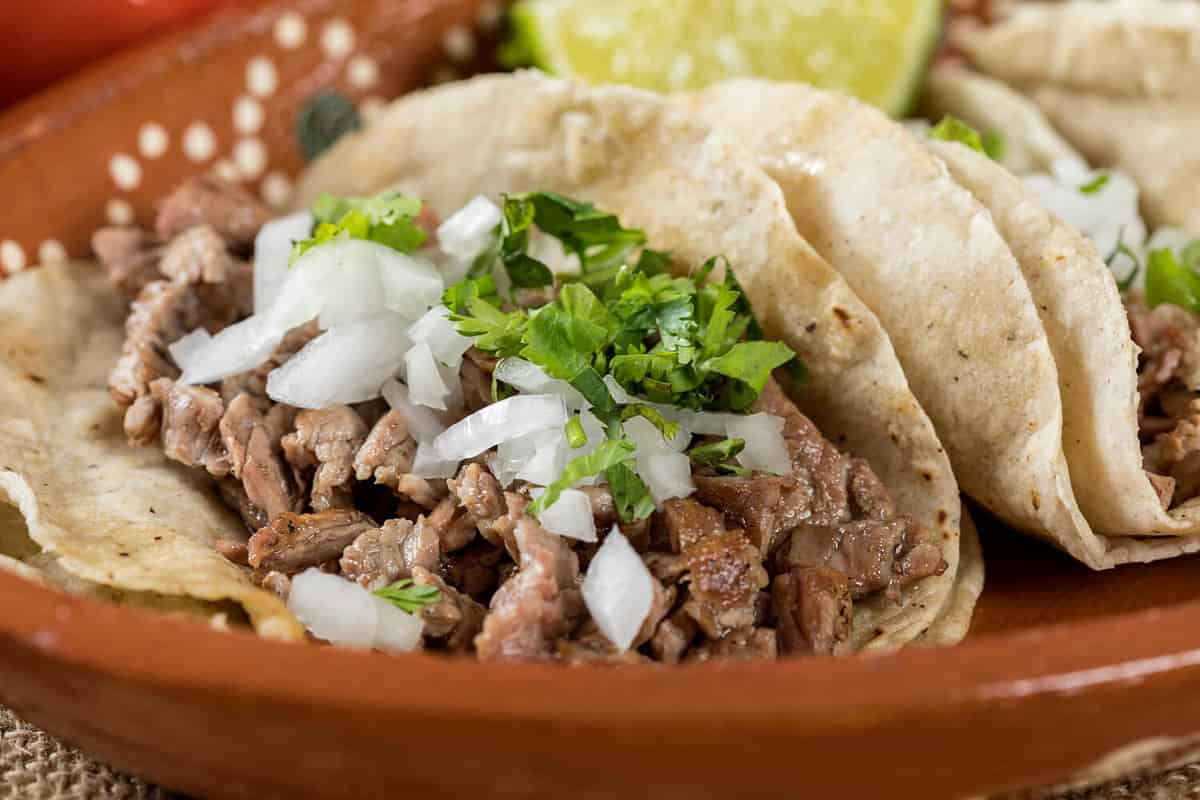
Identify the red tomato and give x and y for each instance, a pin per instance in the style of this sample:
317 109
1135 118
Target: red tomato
47 39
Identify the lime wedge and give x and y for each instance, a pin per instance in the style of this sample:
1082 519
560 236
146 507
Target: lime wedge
874 49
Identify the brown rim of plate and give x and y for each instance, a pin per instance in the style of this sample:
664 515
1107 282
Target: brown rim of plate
994 713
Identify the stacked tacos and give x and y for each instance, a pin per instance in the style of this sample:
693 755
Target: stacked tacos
831 523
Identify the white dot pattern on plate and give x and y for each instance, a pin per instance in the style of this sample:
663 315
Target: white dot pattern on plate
247 115
52 252
199 142
337 38
459 43
261 78
290 30
118 212
12 256
276 190
225 170
489 15
251 158
126 172
362 72
152 140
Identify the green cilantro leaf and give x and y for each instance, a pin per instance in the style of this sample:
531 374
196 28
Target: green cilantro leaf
1168 281
408 597
386 219
609 453
668 428
752 362
576 435
953 129
629 492
715 453
1095 184
994 145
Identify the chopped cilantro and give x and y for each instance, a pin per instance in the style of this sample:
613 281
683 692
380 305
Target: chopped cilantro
631 495
576 435
1168 281
386 219
953 129
666 427
609 453
1095 184
408 597
716 453
994 145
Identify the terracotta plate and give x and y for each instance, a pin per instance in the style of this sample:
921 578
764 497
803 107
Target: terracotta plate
1066 675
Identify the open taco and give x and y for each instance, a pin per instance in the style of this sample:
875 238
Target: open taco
435 441
1120 81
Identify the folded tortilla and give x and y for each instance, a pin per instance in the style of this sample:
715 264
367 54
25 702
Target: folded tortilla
696 195
101 516
1121 81
926 258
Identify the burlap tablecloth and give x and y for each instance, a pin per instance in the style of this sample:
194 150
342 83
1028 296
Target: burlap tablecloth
34 766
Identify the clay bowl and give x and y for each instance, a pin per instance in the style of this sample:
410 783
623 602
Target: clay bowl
1067 675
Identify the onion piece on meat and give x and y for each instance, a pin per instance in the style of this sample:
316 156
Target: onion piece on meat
435 329
545 458
666 475
498 422
185 349
342 612
422 422
705 423
648 438
272 251
237 348
527 377
427 463
467 231
765 448
570 515
349 363
426 386
618 590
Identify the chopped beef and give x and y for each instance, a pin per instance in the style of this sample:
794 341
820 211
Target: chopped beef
661 605
455 618
291 542
235 551
386 457
190 419
161 313
874 555
130 257
666 567
229 209
480 494
252 441
474 569
868 497
590 646
327 439
688 523
384 555
453 525
197 255
143 419
725 572
528 611
754 643
485 361
234 494
673 637
476 386
1164 487
813 610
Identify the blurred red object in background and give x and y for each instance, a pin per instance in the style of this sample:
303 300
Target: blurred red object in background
48 39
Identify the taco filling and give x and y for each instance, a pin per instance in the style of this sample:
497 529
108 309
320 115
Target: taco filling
516 433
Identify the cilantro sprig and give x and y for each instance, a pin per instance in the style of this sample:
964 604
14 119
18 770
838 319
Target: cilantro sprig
386 218
407 596
1174 279
953 129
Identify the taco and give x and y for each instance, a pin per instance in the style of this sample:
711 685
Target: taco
1120 81
432 440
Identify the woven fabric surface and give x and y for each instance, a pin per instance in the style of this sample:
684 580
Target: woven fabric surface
34 766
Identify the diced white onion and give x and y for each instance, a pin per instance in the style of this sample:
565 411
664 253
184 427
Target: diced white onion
468 230
238 348
618 590
666 475
527 377
425 384
508 419
648 438
185 349
427 463
543 463
413 283
342 612
435 329
570 515
765 448
422 423
349 363
272 249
